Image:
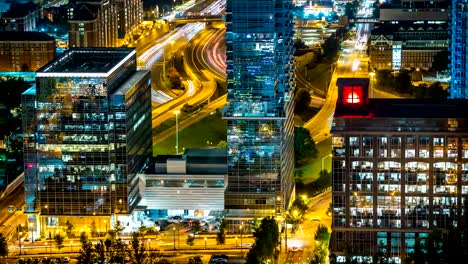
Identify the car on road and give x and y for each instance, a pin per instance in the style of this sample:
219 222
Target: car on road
295 249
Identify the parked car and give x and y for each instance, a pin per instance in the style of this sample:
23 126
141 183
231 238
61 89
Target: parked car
175 219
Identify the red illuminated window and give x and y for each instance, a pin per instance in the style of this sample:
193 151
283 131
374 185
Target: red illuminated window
352 94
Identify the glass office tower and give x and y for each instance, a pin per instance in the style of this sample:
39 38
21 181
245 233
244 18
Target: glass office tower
400 173
87 132
459 50
259 113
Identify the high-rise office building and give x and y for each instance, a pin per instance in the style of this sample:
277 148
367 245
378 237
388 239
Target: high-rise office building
459 49
259 113
130 15
400 171
93 23
87 133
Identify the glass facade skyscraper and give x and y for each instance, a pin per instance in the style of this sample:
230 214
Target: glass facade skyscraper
87 131
459 49
259 113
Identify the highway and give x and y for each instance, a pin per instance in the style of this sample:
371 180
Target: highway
201 82
10 220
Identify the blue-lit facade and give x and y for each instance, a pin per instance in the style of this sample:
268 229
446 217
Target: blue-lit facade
459 49
259 113
87 131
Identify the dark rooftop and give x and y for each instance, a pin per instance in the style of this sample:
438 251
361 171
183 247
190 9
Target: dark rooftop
408 27
85 12
87 60
405 108
205 152
20 10
25 36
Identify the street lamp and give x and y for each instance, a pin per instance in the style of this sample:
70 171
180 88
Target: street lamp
46 247
173 229
71 246
205 243
372 75
105 223
177 112
323 159
236 242
149 244
19 241
241 231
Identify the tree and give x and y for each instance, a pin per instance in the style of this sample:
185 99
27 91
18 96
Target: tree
12 88
100 252
190 240
331 47
322 234
174 78
196 228
403 82
351 9
69 229
59 241
304 145
83 238
266 240
302 101
137 249
108 245
376 9
441 61
384 79
252 256
300 44
118 228
93 228
119 251
221 235
3 246
25 68
300 204
222 144
435 90
322 239
87 252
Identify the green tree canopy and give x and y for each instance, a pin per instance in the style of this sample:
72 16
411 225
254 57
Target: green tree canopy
221 235
302 101
137 249
304 145
331 47
266 240
441 61
59 241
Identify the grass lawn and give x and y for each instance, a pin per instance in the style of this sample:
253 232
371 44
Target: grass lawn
312 168
212 128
